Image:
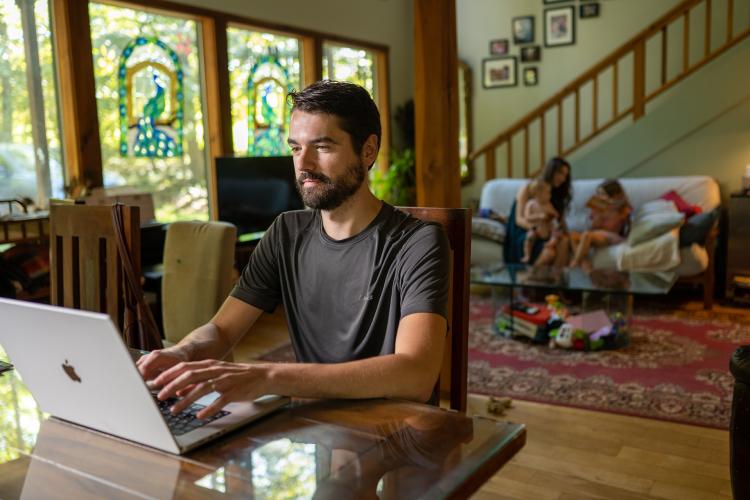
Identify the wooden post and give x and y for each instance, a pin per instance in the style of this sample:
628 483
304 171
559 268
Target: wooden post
436 104
639 80
80 124
218 100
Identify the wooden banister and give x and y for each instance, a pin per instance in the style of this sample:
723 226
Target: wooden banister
641 95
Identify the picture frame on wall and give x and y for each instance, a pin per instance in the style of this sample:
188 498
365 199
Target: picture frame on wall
530 76
559 26
498 72
531 53
588 10
499 47
522 28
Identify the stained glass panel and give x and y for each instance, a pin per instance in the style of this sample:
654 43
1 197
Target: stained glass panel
147 72
350 64
151 100
263 69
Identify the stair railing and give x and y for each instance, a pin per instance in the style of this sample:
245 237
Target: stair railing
654 41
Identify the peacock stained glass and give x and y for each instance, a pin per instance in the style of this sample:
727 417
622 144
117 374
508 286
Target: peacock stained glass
267 88
263 68
151 100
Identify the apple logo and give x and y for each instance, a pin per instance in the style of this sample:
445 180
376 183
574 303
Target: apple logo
70 371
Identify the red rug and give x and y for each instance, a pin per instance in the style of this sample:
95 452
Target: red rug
675 368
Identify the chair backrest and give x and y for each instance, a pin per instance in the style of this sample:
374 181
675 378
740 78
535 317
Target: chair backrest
198 264
457 224
85 264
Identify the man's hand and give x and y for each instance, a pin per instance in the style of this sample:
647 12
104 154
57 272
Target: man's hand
193 380
154 363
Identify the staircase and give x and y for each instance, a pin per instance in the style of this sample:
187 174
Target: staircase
681 42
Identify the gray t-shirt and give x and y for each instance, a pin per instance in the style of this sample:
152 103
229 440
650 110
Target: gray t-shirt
344 299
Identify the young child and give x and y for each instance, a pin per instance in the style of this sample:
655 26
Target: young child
610 214
541 214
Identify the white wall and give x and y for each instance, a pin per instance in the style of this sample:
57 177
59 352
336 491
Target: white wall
387 22
479 21
700 127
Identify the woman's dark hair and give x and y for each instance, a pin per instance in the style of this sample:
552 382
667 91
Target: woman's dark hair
562 194
351 104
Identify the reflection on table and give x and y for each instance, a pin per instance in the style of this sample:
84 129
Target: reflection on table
321 449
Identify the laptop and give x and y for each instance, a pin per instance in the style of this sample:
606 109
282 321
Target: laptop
80 371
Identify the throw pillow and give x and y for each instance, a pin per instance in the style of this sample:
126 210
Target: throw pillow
654 219
696 228
682 205
488 229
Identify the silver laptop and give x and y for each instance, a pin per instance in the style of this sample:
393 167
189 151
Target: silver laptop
79 370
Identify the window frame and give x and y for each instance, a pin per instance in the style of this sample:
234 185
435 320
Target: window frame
80 128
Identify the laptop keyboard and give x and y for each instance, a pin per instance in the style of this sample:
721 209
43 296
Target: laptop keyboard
185 421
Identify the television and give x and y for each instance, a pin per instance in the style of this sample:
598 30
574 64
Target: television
252 191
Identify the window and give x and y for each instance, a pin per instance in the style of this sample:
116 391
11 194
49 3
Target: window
149 104
350 64
30 153
263 69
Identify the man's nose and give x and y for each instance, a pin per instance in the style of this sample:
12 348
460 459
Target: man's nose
306 159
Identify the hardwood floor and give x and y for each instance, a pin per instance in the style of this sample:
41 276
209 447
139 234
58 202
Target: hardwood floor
579 454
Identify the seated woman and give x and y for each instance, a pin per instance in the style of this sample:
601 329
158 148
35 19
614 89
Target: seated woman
556 250
610 215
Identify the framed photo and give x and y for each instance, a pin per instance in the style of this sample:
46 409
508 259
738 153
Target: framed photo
530 76
587 10
559 26
522 29
531 53
499 47
499 72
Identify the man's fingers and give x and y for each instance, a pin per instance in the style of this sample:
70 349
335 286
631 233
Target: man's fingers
189 376
214 407
199 391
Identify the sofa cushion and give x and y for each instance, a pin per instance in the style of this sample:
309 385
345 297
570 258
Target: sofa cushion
693 260
488 228
653 219
696 228
657 254
682 205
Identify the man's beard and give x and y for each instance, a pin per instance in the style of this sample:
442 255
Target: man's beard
330 194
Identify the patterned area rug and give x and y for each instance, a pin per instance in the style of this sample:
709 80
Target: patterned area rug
675 368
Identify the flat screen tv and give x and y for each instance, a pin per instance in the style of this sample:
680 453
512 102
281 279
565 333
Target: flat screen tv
253 190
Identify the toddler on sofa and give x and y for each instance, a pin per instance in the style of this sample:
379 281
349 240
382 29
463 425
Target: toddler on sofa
541 214
610 216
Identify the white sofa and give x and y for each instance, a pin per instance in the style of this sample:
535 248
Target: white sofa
694 261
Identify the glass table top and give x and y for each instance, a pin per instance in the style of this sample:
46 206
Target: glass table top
576 279
321 449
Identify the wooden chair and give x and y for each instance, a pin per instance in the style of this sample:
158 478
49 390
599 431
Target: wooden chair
454 374
85 264
198 268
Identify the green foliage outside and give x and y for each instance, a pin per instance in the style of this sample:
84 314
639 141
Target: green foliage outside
397 184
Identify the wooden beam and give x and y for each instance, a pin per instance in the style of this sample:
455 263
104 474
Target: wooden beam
80 124
436 104
218 101
382 94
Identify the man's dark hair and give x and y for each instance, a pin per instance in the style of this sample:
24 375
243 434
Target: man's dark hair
351 104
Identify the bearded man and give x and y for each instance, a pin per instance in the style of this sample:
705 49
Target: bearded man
364 285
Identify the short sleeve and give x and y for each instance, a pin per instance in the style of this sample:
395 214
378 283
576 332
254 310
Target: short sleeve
259 283
424 272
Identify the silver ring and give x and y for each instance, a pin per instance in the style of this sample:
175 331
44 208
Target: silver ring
213 385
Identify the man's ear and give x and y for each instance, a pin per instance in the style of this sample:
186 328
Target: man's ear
370 150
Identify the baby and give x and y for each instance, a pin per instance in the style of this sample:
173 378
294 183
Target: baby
610 214
541 214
